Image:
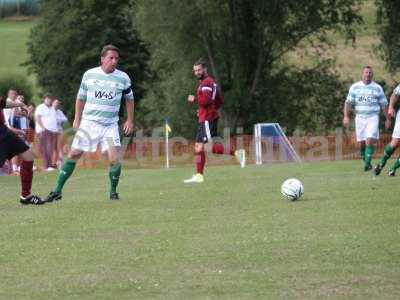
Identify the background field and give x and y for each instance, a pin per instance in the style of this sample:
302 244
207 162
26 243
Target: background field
14 35
350 57
232 237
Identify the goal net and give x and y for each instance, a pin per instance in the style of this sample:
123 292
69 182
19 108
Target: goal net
272 145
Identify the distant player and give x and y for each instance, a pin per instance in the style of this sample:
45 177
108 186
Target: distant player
209 99
96 119
11 145
368 99
395 142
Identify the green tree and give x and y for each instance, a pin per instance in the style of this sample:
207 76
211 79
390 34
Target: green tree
388 20
245 43
68 39
18 82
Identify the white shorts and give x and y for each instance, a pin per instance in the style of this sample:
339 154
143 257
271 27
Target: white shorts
396 129
367 128
90 134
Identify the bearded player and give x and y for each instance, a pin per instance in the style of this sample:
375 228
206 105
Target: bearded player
209 99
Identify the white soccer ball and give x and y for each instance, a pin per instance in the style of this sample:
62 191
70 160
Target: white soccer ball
292 189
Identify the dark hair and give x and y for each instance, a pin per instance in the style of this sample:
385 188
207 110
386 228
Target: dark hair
107 48
201 61
367 67
48 96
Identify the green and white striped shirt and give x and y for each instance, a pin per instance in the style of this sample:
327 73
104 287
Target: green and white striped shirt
397 90
367 98
102 93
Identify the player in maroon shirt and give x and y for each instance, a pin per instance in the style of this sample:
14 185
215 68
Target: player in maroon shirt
209 99
10 146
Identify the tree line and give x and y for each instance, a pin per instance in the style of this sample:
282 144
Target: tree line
244 41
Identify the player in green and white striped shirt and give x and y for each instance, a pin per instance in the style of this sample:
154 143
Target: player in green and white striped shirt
96 118
395 142
368 99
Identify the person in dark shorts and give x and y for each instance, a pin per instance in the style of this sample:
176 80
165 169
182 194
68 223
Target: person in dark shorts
11 145
209 99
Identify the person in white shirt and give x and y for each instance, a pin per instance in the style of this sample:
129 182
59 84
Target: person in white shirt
12 95
12 115
61 119
46 130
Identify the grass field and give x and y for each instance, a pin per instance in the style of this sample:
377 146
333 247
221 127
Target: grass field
14 36
232 237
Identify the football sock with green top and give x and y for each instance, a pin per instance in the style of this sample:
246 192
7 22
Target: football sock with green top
396 164
362 152
387 152
369 152
66 171
114 173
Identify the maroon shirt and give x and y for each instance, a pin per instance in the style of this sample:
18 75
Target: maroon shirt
3 127
209 98
2 105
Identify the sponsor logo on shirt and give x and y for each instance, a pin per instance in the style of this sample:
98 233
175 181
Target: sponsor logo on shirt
105 94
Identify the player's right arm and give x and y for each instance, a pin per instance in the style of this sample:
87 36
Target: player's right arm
79 106
80 102
346 114
350 100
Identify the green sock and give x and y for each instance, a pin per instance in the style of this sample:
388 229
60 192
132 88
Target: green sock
369 152
396 164
114 173
387 152
66 171
362 152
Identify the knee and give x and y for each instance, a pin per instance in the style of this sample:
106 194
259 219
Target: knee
114 161
74 155
27 155
395 143
198 147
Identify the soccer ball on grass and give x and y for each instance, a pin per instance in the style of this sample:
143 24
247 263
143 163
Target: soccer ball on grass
292 189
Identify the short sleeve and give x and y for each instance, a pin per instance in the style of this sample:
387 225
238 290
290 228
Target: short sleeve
351 96
83 89
128 90
382 98
397 90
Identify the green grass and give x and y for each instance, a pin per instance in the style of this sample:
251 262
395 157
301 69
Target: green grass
14 36
232 237
351 57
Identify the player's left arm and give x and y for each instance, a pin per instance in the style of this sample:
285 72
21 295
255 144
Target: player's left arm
393 100
384 106
128 125
205 96
130 107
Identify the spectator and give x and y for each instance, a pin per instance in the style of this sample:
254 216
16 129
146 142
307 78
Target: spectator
8 112
12 121
46 129
61 119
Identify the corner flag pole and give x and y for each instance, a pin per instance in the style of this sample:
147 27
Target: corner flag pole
167 131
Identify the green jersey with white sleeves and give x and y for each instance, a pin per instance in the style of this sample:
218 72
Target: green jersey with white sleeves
102 93
366 98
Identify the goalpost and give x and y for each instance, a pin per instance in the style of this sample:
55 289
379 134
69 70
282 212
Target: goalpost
272 145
